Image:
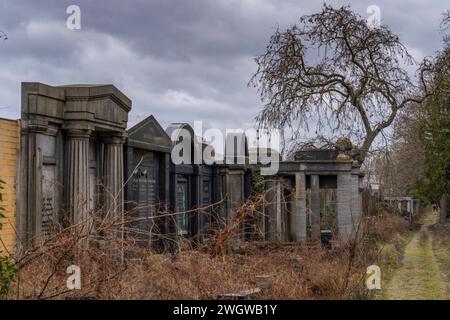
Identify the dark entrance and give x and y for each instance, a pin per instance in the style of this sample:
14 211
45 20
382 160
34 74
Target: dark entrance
147 169
145 188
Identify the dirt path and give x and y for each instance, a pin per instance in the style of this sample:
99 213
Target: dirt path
419 277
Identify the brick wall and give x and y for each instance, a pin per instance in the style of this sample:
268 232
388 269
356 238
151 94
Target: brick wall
9 145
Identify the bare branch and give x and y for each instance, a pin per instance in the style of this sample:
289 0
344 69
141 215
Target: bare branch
356 80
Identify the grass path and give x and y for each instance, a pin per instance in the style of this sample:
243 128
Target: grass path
419 277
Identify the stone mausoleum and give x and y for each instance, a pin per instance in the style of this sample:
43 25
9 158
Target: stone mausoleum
72 155
317 190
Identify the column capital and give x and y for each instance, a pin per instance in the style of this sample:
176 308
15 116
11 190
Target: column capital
35 126
81 134
114 138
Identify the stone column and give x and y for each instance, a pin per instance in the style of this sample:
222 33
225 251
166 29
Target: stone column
355 205
199 203
236 193
113 174
344 208
77 174
315 207
270 210
298 221
279 221
166 174
30 184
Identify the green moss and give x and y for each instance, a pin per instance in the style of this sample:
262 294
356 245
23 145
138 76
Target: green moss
441 249
419 277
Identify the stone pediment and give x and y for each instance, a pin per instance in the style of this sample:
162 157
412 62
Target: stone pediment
149 135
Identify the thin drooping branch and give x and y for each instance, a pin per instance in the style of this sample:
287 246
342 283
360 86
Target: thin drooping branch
3 35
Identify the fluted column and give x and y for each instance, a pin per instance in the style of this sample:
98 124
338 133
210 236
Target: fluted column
113 174
77 174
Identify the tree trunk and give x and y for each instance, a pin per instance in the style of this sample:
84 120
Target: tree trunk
364 150
443 204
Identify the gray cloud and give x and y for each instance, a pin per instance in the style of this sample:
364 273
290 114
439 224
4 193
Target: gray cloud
180 60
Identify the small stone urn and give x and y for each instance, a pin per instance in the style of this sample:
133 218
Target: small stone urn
344 146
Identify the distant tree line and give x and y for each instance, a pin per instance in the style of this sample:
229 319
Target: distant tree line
417 162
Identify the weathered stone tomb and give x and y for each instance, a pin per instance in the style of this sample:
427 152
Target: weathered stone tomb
305 190
71 156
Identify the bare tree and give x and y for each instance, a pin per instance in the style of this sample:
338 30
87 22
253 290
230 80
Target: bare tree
335 69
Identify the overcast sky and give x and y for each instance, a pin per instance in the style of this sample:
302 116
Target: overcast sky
180 60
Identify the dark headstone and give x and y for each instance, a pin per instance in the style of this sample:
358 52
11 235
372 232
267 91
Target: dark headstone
325 237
